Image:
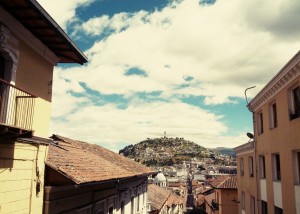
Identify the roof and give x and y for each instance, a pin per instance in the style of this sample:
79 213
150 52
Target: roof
35 19
160 177
225 182
158 196
85 163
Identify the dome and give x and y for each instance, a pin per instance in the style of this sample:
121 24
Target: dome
160 178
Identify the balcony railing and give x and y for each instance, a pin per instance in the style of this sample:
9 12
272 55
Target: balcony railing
16 106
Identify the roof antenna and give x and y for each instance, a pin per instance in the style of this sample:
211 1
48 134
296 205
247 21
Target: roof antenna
246 94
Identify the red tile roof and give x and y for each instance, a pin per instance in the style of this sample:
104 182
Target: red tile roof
84 163
158 196
225 182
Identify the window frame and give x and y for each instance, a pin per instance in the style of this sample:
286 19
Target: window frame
242 168
260 122
243 200
296 166
250 165
262 166
252 204
294 109
264 207
276 167
273 115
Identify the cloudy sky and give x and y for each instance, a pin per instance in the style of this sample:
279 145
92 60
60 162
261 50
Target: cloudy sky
174 66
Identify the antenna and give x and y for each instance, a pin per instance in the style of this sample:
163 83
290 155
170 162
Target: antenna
246 94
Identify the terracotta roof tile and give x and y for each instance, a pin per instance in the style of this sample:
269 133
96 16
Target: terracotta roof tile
84 163
225 182
158 196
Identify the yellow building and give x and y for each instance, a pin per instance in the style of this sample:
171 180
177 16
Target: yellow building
247 188
31 44
276 151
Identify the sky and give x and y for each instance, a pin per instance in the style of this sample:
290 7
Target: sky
174 66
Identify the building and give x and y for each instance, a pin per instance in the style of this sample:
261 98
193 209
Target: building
276 149
162 201
87 178
247 185
224 198
160 180
31 44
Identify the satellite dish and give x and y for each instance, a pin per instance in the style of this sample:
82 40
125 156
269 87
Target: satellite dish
250 135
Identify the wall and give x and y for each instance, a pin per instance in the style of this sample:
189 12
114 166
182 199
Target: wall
18 161
92 198
29 65
227 204
246 183
283 140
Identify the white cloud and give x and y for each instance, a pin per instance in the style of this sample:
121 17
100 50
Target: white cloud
63 11
219 46
226 48
108 125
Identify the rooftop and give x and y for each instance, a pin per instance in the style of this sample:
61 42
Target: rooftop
225 182
82 162
35 19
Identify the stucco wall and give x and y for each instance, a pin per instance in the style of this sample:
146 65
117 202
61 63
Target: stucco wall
18 177
246 183
283 140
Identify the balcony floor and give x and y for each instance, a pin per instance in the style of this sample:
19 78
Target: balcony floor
13 131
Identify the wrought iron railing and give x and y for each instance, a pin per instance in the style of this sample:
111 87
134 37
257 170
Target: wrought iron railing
16 106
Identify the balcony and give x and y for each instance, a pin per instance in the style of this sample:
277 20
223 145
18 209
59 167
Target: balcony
16 110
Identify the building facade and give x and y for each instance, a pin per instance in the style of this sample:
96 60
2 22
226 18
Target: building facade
276 120
247 185
223 200
87 178
31 44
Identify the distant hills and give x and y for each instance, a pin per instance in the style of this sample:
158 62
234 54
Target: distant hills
168 151
226 151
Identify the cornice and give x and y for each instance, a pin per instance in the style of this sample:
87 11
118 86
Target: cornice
26 36
284 77
244 148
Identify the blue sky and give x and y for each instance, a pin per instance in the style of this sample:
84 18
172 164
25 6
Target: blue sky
178 66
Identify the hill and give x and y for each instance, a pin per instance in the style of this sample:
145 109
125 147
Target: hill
225 151
165 151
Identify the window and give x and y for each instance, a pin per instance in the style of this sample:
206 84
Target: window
250 160
2 66
273 116
138 203
132 205
264 207
260 123
296 164
242 166
122 207
276 167
262 166
278 210
111 210
243 201
252 205
294 102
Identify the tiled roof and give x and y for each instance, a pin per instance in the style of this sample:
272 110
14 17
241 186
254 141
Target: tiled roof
158 196
85 163
225 182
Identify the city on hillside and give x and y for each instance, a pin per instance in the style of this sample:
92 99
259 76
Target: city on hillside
44 63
